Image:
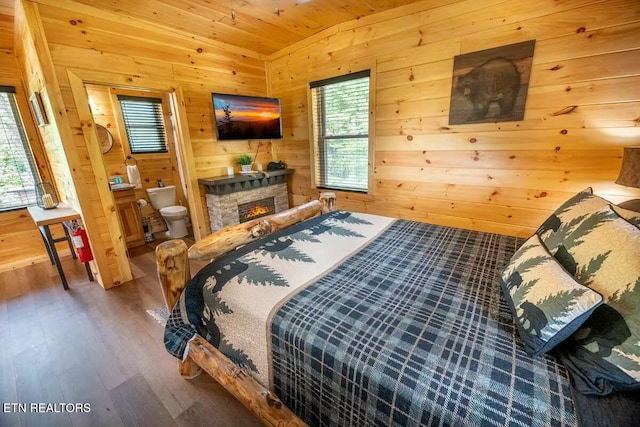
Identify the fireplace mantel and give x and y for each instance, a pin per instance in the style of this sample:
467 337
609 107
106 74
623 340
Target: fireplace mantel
221 185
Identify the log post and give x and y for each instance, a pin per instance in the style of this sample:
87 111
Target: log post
328 201
173 271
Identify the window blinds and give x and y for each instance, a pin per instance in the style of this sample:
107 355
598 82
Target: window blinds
18 172
144 124
341 132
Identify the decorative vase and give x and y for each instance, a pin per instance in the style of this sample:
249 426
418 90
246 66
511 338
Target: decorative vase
246 168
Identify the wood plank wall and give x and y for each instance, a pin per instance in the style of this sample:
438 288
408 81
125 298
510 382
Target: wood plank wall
502 177
59 137
106 48
125 52
497 177
20 242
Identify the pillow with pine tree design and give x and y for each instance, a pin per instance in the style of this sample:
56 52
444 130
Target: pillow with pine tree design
571 215
547 304
604 355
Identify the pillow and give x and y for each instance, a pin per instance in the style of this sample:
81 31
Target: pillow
548 305
631 216
605 354
603 252
570 216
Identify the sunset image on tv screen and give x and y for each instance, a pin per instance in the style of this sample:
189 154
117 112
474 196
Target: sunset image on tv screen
245 117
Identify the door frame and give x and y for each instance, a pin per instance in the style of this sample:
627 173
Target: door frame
187 168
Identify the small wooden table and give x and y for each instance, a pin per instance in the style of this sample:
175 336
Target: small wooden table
43 218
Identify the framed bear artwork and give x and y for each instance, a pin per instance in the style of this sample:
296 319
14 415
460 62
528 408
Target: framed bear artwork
491 85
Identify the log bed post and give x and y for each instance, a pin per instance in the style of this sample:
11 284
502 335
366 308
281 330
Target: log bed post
173 270
174 275
328 201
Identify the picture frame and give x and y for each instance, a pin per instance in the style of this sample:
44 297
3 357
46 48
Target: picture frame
38 109
491 85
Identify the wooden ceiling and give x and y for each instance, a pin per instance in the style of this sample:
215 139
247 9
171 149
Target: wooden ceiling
262 26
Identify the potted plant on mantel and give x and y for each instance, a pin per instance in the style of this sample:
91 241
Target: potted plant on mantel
245 161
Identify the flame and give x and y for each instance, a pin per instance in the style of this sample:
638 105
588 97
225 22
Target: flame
257 210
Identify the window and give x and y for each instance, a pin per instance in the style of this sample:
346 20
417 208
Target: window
144 124
18 173
340 109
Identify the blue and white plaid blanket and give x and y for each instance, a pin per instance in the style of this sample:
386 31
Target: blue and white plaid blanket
410 329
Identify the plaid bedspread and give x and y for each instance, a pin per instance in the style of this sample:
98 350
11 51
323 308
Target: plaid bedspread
410 330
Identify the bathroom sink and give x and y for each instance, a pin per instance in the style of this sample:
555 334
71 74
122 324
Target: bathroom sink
120 187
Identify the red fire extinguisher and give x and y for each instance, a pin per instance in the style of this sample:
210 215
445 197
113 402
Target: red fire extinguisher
81 242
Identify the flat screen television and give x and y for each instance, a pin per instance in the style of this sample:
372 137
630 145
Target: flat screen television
246 117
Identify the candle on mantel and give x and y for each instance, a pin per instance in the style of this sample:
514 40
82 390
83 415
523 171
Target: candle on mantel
47 201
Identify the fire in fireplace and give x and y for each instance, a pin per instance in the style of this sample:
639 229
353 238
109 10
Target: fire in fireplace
256 209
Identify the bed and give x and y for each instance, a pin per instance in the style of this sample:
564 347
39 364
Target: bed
347 318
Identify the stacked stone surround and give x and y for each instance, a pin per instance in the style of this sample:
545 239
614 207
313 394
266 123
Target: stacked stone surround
223 209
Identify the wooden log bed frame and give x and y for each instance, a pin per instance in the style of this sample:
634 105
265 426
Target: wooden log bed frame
172 258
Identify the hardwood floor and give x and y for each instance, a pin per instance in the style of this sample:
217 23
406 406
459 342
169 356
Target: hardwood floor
88 345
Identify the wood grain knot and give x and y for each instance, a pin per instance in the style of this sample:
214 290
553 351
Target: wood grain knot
565 110
271 401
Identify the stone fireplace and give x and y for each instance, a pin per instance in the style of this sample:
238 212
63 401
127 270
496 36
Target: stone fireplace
241 198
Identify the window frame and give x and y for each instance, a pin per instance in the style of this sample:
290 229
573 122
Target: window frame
315 78
151 99
22 125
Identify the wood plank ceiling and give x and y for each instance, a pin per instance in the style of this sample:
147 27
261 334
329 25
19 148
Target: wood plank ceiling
261 26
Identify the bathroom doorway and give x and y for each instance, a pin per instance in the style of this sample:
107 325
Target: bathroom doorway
155 157
111 230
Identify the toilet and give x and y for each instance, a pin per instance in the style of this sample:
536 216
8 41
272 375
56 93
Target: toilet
164 200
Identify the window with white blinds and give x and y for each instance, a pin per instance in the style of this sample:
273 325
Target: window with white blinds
144 124
18 172
340 111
